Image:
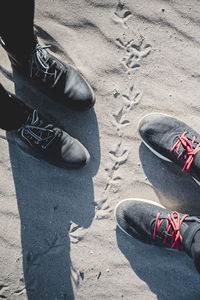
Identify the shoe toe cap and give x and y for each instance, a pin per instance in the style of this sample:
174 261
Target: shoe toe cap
123 215
155 126
76 156
78 92
148 123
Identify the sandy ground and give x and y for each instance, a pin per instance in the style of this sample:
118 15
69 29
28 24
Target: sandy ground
58 238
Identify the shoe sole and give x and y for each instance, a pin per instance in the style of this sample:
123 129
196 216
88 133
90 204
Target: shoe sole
133 199
154 151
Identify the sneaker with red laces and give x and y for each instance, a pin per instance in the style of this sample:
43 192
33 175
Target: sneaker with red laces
152 223
172 140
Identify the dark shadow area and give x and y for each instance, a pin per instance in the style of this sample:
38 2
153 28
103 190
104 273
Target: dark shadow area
175 189
7 74
55 46
53 203
169 274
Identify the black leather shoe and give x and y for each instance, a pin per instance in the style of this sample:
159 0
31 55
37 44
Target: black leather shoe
48 142
60 79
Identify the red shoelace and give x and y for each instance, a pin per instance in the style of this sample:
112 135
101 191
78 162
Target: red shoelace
174 222
189 151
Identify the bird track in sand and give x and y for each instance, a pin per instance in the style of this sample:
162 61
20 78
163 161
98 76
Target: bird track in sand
119 154
122 14
134 52
3 288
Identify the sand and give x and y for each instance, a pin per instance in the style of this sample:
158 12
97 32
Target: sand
58 237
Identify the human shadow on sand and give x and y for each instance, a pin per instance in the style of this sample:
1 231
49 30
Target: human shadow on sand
55 205
169 274
175 189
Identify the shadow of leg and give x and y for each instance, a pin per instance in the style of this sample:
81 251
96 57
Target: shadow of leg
175 190
168 274
49 200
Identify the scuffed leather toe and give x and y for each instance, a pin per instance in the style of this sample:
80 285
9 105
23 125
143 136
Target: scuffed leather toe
74 155
77 92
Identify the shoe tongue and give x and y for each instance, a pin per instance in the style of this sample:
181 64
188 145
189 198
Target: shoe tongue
45 54
34 119
194 145
190 232
196 162
47 57
189 235
57 131
166 224
195 250
43 58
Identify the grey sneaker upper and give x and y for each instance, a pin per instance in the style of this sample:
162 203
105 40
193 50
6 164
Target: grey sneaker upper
172 139
153 224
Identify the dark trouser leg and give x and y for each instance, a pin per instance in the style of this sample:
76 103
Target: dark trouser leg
16 25
12 114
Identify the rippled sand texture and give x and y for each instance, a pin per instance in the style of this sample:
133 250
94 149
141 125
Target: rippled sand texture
58 238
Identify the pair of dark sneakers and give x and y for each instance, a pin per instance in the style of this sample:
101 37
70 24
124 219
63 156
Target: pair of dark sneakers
150 222
68 87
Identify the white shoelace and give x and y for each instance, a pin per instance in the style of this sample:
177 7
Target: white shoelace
40 60
34 131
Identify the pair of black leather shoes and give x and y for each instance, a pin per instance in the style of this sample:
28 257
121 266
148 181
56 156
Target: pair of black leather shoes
67 86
